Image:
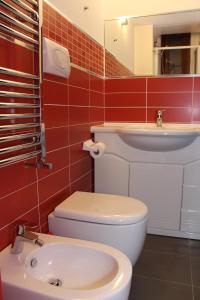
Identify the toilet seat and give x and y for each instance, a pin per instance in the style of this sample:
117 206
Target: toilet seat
102 209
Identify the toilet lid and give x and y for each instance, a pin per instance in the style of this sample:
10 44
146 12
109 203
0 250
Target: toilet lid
102 208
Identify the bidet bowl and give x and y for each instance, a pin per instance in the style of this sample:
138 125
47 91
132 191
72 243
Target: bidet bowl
65 269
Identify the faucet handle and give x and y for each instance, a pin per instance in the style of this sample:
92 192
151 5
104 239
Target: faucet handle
23 227
160 112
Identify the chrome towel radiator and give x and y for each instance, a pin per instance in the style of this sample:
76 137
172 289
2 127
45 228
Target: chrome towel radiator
22 133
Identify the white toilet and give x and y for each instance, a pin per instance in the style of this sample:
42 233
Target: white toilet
117 221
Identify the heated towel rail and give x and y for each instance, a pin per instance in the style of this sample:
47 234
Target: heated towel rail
22 133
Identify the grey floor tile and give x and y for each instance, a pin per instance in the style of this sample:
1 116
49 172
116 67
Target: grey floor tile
196 291
164 266
167 244
150 289
194 248
195 261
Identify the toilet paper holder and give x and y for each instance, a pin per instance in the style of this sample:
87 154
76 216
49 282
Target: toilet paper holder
89 145
96 149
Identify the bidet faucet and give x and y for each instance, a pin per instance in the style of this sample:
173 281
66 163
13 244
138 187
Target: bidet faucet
159 117
23 234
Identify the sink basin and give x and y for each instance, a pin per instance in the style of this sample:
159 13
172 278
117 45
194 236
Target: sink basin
65 269
149 137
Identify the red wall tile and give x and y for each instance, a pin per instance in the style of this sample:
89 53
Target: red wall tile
174 115
52 184
179 96
55 116
55 93
96 99
170 99
125 114
125 99
79 96
79 115
168 84
79 78
56 138
29 194
126 85
17 204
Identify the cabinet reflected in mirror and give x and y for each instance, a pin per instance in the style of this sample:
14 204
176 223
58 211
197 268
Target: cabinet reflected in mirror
167 44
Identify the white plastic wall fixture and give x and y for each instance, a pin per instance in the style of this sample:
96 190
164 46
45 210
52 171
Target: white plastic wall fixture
56 59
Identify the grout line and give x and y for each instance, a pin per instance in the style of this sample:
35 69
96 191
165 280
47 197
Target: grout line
57 149
191 273
163 280
146 98
166 252
56 127
80 160
57 82
192 101
69 154
19 217
42 202
171 107
53 173
84 175
38 198
144 92
20 189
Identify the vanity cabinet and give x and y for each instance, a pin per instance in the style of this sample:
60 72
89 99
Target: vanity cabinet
167 182
160 191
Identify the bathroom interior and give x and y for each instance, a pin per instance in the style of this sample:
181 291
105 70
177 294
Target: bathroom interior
100 104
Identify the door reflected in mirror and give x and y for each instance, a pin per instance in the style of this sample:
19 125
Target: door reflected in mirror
167 44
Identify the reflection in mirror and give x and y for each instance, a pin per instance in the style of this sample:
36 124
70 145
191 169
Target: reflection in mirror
167 44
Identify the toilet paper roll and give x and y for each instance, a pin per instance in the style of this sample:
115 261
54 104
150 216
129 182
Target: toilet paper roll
98 151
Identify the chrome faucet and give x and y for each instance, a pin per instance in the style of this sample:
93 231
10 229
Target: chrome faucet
23 234
159 117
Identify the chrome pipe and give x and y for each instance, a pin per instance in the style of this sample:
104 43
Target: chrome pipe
17 95
27 8
19 157
18 147
17 42
33 2
18 84
17 137
18 105
19 126
17 23
17 33
18 73
18 116
17 12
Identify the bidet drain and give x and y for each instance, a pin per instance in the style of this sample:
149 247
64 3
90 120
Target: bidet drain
55 282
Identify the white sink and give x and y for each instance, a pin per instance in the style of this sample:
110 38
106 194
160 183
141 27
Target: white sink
149 137
65 269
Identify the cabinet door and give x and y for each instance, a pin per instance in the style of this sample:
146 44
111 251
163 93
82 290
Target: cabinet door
111 175
160 187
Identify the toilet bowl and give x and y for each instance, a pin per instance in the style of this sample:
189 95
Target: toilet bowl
114 220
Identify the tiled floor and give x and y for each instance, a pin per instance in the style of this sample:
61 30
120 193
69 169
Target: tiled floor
168 269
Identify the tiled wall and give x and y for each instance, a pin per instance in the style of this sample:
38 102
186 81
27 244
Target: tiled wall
113 67
70 108
138 99
84 51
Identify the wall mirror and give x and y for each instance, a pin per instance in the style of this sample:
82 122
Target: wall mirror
167 44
